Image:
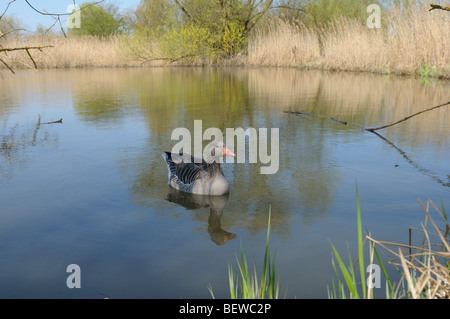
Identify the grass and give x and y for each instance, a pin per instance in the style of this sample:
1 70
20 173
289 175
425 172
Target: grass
245 284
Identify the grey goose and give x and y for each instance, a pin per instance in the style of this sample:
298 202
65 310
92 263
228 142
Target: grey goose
202 177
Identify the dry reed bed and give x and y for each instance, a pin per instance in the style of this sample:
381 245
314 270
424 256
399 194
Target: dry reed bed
411 41
426 267
70 52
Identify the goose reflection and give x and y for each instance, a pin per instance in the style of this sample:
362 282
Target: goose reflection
216 205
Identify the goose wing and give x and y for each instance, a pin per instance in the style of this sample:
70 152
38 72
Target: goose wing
183 169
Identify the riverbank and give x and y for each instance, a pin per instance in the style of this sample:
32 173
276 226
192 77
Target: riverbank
414 44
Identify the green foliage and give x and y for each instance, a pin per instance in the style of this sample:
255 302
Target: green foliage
197 28
99 20
233 38
187 42
426 71
322 12
152 17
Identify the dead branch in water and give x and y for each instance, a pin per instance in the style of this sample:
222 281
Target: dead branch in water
372 130
313 114
406 118
58 121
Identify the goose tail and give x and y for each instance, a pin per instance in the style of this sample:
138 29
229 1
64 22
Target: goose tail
170 165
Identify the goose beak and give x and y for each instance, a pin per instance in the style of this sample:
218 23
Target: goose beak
227 152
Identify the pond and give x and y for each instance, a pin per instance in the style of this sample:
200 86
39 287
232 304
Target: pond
91 190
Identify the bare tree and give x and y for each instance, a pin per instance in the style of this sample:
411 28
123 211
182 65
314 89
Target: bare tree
4 50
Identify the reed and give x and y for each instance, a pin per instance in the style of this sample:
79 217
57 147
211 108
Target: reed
425 268
425 272
245 284
349 287
70 52
412 41
283 44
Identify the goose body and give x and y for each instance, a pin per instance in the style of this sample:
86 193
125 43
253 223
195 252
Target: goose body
202 177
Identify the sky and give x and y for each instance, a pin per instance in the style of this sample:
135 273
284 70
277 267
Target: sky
30 18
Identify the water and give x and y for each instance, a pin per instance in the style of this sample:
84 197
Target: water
93 191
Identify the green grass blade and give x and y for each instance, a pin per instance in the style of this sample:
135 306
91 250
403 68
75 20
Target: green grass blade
443 210
360 246
266 263
246 284
347 276
211 291
384 270
232 283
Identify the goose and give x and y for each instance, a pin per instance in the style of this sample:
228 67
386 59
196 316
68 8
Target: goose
201 177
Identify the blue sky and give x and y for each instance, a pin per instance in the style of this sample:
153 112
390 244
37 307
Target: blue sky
30 18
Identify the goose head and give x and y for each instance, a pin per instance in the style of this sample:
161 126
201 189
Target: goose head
215 151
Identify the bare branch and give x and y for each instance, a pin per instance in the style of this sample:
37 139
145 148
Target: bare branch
10 31
58 14
288 7
183 9
169 59
25 48
436 6
406 118
259 15
9 68
31 58
7 6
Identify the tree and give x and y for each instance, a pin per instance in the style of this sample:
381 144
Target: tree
154 16
198 28
323 12
99 20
